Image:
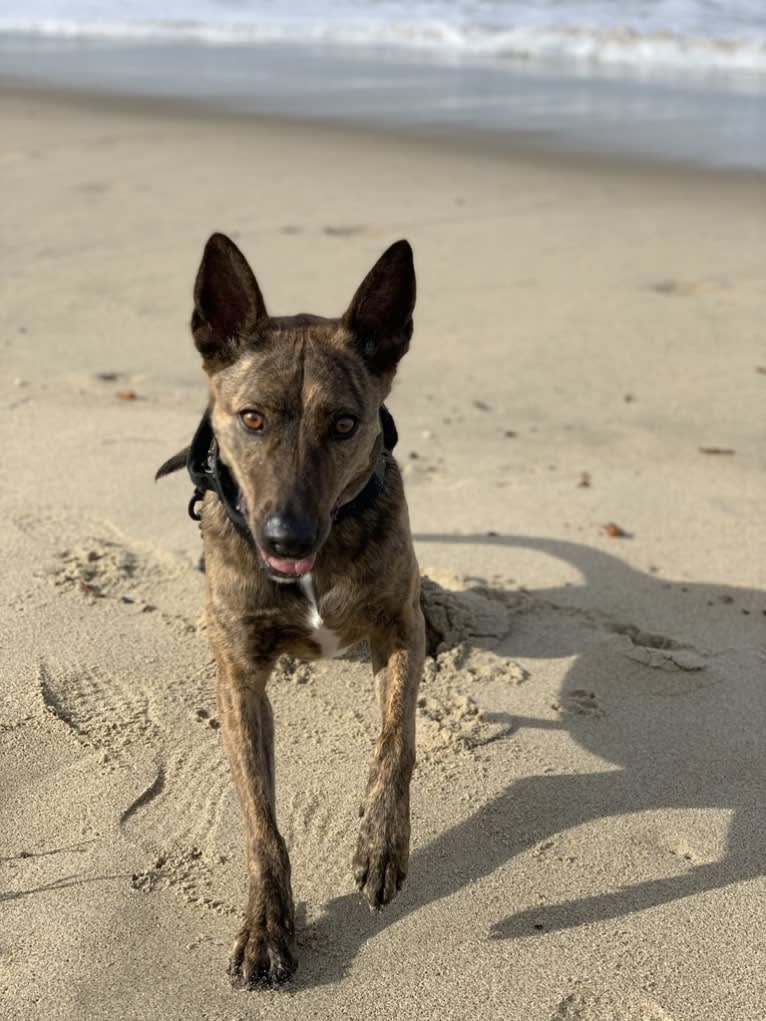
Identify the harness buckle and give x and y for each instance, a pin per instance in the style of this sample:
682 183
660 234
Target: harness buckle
198 497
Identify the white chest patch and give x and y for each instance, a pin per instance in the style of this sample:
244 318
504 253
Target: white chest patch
328 640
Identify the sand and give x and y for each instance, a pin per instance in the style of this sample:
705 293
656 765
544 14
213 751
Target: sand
588 803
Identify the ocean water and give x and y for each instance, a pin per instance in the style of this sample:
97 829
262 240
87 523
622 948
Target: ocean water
674 79
699 35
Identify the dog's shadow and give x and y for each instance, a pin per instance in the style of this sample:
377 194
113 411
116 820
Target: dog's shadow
671 720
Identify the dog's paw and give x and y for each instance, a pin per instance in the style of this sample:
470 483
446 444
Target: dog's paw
260 959
263 951
382 853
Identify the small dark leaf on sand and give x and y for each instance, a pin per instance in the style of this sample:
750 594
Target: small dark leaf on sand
724 451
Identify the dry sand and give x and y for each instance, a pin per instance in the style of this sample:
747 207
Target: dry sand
588 808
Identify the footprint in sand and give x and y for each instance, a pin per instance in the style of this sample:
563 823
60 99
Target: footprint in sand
607 1006
183 815
666 655
579 702
104 711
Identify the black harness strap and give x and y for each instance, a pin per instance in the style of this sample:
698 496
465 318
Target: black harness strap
208 472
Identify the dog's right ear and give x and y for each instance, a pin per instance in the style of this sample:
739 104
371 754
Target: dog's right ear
228 305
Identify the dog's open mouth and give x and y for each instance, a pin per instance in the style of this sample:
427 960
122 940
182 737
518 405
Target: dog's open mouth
280 568
287 568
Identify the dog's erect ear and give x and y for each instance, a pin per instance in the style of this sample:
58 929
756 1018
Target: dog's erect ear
380 315
227 301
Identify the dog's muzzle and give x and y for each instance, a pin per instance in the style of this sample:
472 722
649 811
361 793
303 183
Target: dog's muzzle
289 543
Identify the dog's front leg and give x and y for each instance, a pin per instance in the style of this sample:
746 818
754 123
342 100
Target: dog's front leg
383 847
263 951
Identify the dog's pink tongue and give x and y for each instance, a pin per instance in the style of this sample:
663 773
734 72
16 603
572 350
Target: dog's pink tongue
294 567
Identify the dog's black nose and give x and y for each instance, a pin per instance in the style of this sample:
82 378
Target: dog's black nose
290 535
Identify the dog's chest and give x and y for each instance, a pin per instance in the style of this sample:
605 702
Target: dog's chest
329 641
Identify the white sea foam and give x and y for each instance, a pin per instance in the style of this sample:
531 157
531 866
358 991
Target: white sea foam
693 35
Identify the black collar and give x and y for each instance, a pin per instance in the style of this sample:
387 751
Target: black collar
208 472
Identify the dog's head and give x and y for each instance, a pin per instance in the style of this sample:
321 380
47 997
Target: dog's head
295 400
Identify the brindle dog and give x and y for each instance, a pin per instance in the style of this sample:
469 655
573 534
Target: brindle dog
312 554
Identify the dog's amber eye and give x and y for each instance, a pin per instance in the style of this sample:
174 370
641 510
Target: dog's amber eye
253 421
344 426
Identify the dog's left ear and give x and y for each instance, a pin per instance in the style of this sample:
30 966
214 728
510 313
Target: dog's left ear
228 305
380 315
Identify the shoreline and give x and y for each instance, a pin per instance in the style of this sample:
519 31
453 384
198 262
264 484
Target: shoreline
516 147
661 118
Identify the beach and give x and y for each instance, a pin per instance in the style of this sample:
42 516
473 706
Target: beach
588 352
